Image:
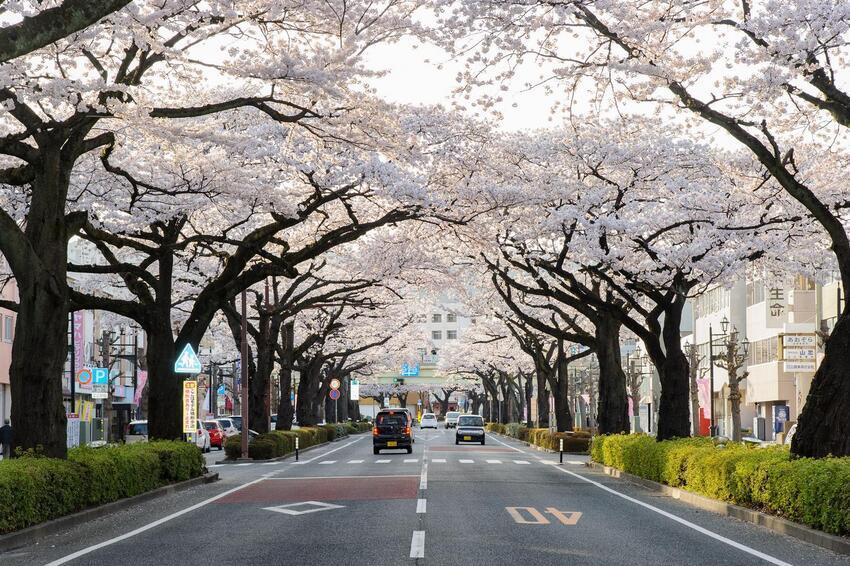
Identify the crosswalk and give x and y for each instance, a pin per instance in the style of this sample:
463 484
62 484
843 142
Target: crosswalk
387 461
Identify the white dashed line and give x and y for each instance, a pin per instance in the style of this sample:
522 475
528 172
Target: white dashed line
466 461
520 462
215 465
421 505
245 464
417 545
494 461
439 460
328 462
383 461
575 462
411 460
355 461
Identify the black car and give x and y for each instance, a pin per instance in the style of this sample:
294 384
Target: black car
392 430
470 428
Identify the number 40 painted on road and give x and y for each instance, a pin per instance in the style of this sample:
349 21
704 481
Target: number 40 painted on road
567 518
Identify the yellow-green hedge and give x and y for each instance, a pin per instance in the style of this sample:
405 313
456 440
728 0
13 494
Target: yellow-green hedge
577 441
281 442
815 492
35 489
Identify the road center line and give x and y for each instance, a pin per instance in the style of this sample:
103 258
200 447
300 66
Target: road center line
417 545
671 516
421 504
296 478
149 526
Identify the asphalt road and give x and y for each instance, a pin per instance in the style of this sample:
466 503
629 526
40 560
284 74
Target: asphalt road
503 503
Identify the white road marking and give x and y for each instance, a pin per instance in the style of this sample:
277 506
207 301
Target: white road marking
411 460
270 463
423 481
575 462
327 462
671 516
355 461
382 461
466 461
520 462
245 464
344 477
508 445
417 545
439 460
215 465
548 462
494 461
421 505
125 536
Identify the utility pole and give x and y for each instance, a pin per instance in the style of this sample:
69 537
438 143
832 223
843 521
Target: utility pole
244 367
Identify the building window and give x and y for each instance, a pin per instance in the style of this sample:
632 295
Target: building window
451 334
755 292
436 318
763 351
8 328
437 334
451 317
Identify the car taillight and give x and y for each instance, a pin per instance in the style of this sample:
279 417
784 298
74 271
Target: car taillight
375 431
407 430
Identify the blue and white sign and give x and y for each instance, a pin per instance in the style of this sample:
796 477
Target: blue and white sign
221 389
187 361
100 383
408 370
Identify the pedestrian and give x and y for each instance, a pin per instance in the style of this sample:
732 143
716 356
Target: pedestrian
6 439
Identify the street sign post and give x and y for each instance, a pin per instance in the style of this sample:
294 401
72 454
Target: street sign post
100 383
354 390
335 384
187 361
334 394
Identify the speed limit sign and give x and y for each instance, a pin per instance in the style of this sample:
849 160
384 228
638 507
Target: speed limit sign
335 384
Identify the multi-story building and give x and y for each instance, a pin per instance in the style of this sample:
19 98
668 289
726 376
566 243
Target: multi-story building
7 333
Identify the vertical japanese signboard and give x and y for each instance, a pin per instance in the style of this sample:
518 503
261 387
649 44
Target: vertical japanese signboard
190 406
799 352
79 340
776 306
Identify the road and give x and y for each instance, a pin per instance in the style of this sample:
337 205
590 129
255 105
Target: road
503 503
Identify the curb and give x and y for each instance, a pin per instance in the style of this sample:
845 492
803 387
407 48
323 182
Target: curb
30 535
538 448
835 543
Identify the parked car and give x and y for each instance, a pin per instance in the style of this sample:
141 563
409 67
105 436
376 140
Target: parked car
392 430
236 420
470 428
228 426
201 437
429 420
216 432
451 419
137 431
791 432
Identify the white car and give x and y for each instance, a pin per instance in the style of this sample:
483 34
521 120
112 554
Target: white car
137 431
201 437
451 419
429 420
228 426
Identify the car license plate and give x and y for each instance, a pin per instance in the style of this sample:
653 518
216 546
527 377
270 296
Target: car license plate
392 443
467 438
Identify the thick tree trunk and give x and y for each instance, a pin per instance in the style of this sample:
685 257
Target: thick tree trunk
165 388
613 408
674 405
285 410
344 395
40 344
735 400
529 393
824 425
560 391
259 404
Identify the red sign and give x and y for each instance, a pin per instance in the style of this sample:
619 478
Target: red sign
84 376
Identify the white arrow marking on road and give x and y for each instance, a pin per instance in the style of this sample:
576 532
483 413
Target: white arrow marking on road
314 507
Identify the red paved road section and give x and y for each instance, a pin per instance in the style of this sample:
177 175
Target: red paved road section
326 489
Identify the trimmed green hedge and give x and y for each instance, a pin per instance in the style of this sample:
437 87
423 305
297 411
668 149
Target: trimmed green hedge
576 441
282 442
810 491
34 490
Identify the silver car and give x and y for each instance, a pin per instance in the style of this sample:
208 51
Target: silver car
451 419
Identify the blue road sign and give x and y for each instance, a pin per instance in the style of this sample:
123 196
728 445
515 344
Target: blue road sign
187 361
100 376
221 390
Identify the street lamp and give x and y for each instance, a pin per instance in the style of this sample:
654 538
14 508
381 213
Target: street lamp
727 339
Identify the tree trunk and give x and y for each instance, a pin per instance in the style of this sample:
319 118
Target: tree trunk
735 400
560 386
542 399
285 410
613 408
40 344
529 393
693 369
823 427
674 406
344 395
307 389
165 388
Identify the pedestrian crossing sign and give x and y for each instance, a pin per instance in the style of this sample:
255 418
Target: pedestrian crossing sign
187 361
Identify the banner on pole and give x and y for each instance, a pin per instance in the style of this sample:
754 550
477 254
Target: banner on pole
190 406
